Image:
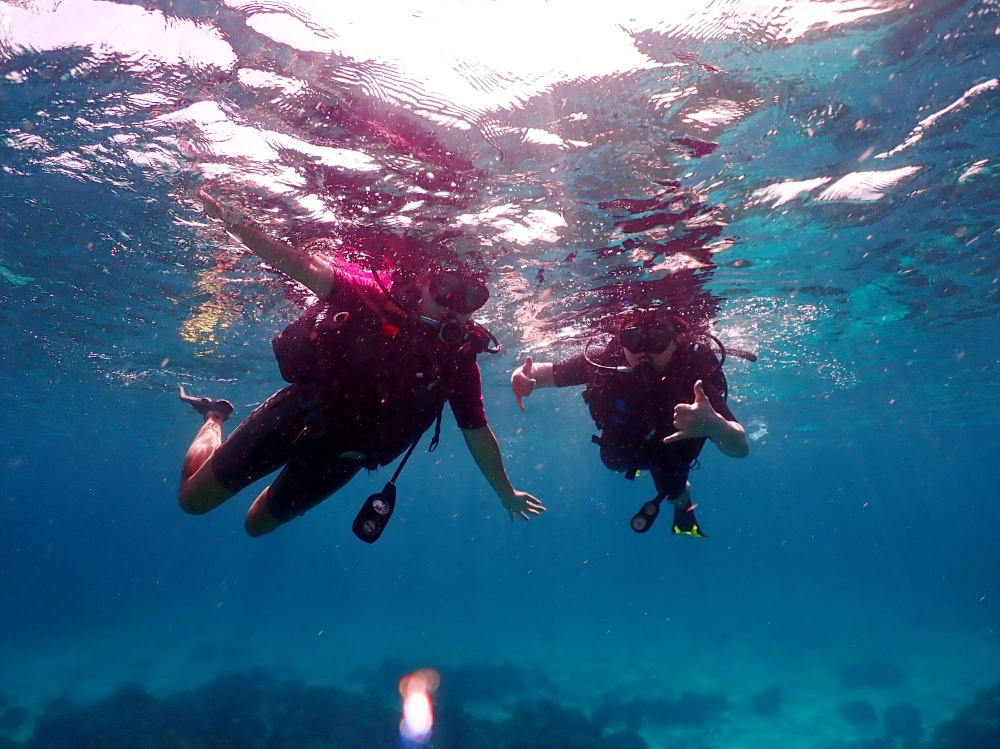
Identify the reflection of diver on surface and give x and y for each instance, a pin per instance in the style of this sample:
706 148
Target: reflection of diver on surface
370 371
639 390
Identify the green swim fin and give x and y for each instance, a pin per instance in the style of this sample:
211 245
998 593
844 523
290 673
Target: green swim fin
685 522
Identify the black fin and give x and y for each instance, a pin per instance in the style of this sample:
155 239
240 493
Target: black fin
685 522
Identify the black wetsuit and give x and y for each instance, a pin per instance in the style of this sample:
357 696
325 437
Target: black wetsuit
371 389
635 411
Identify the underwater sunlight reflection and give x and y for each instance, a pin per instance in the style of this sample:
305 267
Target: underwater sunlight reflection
753 248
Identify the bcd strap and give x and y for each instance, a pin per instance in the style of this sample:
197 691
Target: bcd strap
434 443
437 431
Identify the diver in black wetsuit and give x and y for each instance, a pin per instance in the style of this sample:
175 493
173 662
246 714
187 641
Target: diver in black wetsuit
370 370
639 390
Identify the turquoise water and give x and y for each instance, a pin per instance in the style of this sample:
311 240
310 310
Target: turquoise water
846 224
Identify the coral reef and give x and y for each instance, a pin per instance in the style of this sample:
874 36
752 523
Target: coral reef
13 718
857 712
258 712
974 727
250 712
689 709
498 684
547 724
903 721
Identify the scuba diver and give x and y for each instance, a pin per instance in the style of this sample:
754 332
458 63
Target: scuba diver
370 371
639 389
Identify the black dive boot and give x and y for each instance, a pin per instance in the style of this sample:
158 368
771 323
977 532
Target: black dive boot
204 405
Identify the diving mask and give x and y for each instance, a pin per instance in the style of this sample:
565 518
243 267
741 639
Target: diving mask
458 292
646 339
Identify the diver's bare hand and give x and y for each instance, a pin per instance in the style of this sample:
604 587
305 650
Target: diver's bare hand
694 420
213 208
522 383
523 504
217 209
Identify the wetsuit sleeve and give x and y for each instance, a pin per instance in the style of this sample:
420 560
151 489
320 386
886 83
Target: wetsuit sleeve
466 397
712 379
572 371
717 401
353 284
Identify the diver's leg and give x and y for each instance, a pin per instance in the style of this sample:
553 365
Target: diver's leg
682 500
300 486
671 478
200 491
205 443
671 482
259 519
670 474
672 486
685 521
215 470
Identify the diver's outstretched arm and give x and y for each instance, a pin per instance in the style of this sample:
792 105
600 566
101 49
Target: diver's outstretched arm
529 376
306 268
731 439
486 452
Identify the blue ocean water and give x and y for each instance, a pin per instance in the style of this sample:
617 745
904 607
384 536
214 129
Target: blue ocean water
825 170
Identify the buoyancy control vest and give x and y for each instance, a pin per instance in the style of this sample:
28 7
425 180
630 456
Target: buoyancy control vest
342 338
391 374
635 411
329 340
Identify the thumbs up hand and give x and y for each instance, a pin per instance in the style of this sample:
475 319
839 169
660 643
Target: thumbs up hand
522 383
697 419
